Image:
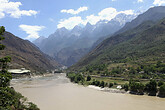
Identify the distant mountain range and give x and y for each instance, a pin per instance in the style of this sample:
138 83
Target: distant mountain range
24 54
68 46
140 41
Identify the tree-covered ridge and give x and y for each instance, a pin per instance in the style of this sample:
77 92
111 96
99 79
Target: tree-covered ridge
9 98
142 44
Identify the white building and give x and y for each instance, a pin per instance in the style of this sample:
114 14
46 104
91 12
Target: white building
21 71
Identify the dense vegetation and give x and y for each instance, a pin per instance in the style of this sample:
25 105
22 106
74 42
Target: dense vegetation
152 87
9 98
155 71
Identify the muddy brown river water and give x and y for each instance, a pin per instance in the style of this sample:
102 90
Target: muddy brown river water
55 92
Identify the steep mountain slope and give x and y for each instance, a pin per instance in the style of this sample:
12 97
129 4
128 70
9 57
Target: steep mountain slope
122 46
142 44
38 42
70 55
68 46
153 14
108 51
27 55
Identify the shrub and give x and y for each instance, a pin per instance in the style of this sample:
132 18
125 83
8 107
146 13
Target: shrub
88 78
78 78
96 83
102 84
151 88
75 77
110 85
136 88
162 91
125 87
160 83
11 100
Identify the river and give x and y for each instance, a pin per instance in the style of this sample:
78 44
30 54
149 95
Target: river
55 92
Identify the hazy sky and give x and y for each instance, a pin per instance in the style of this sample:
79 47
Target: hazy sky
30 19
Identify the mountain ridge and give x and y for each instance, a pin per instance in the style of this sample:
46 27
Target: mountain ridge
79 39
152 14
25 54
132 44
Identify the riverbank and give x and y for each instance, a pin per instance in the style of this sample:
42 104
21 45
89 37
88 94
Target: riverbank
58 93
108 89
136 87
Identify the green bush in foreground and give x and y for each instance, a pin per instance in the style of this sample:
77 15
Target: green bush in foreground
9 98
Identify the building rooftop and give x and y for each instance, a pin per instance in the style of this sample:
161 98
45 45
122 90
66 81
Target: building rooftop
19 71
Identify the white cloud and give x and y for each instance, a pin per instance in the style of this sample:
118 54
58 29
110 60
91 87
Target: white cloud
92 19
106 14
140 1
159 2
2 15
32 31
74 12
12 9
127 12
114 0
110 13
70 22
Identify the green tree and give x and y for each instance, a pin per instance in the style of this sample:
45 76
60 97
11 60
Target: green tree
9 98
160 83
159 64
126 87
151 88
79 78
5 76
110 85
162 91
71 76
96 83
102 84
136 87
88 78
